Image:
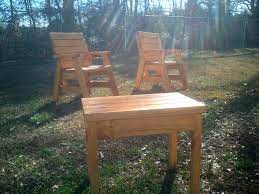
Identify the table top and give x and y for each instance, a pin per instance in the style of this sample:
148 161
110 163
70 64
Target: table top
145 105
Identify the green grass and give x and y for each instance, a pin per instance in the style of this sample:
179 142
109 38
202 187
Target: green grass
42 145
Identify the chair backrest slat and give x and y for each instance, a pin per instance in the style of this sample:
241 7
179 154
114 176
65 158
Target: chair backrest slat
148 41
68 43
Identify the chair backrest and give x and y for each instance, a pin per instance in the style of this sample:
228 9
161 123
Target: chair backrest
64 43
78 64
148 41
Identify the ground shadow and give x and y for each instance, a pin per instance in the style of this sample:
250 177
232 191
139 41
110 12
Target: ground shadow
246 104
243 106
168 181
55 110
82 186
22 80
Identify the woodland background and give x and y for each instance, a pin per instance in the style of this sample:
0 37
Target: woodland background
111 24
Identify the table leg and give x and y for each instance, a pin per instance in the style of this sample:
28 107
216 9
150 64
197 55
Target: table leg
92 163
172 149
196 156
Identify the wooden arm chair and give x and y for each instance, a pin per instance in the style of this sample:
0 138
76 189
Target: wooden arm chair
152 64
65 46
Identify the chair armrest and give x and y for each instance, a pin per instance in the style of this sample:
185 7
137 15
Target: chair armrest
70 56
154 55
66 59
99 53
176 52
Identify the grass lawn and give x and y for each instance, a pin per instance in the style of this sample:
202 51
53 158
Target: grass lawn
42 145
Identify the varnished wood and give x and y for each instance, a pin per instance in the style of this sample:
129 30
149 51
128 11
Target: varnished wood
92 161
81 77
196 155
112 107
65 47
152 58
57 81
146 125
172 149
139 115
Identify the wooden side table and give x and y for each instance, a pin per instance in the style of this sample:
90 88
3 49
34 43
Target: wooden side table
137 115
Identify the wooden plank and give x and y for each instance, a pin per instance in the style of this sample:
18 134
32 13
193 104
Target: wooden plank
96 68
175 77
81 76
108 107
144 112
171 64
143 126
149 35
66 36
196 155
155 42
173 96
141 101
134 105
92 162
154 79
69 50
57 81
71 75
156 68
99 84
123 107
149 47
69 43
145 100
172 147
112 81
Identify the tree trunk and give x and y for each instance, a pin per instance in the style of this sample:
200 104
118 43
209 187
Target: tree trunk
59 14
136 8
48 13
29 11
68 16
131 7
12 12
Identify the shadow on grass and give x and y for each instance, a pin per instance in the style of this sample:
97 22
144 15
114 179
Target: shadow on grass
82 186
56 111
168 181
246 104
21 80
243 108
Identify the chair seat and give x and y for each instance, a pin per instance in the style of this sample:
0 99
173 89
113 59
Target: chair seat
90 68
169 64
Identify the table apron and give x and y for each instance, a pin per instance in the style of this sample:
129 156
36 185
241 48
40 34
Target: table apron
143 126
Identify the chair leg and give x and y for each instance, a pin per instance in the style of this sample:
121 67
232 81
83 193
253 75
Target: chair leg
87 79
112 81
183 76
57 81
166 81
